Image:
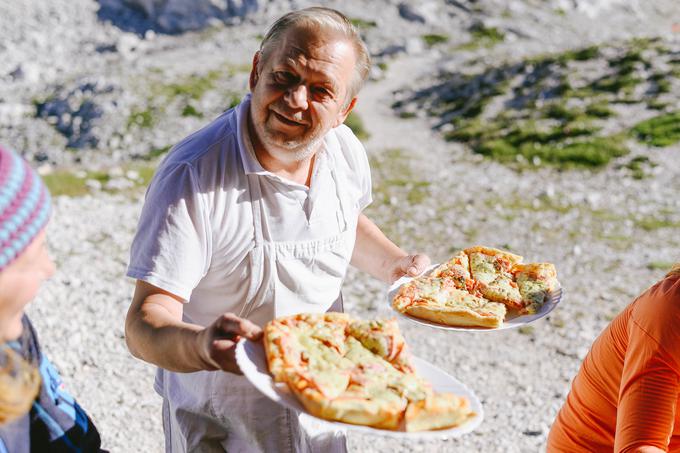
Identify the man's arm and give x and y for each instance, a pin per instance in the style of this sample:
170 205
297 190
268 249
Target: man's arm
155 333
376 254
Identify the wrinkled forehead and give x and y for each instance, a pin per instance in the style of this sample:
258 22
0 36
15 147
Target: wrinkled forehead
312 43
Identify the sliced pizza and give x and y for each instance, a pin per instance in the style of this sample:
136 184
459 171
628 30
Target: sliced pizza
436 300
457 269
492 270
366 381
536 283
438 411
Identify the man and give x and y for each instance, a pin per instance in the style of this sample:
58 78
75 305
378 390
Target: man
253 217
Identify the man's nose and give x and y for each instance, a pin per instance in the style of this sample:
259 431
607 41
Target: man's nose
296 97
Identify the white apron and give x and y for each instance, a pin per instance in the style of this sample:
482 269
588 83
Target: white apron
218 411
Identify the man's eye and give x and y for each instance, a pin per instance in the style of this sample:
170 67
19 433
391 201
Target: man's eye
283 78
321 92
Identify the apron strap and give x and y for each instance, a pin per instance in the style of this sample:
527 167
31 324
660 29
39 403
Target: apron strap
256 205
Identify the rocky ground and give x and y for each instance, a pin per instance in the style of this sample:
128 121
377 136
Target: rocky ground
94 101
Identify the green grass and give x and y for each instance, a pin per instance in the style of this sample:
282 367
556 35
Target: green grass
637 166
68 183
482 36
490 35
589 153
653 223
362 23
144 119
553 114
354 122
434 39
193 87
660 265
190 110
662 130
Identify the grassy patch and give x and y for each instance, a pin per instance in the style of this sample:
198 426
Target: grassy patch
490 35
546 110
193 87
362 23
660 265
144 119
482 36
662 130
637 166
190 110
653 223
72 184
354 122
434 39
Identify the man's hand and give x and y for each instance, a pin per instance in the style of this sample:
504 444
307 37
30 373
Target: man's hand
410 265
217 342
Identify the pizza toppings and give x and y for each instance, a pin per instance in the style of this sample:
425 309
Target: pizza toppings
476 287
368 381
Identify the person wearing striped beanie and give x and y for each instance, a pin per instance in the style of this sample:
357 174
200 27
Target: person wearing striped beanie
36 413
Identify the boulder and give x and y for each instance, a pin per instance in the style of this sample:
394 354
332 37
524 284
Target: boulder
177 16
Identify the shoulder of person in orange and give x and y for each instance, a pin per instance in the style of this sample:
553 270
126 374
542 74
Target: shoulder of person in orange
625 395
36 413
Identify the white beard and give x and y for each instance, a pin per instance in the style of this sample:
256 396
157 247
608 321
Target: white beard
298 151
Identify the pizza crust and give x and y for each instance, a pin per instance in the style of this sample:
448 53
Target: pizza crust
455 317
439 411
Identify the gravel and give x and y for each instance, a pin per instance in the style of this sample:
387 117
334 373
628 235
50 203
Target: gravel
610 235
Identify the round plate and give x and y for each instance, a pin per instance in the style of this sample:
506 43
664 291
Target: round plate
512 319
252 360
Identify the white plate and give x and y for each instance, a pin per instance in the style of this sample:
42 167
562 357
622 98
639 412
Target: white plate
252 360
512 320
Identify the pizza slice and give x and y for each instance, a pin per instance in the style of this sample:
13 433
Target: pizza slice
436 299
436 412
536 282
384 339
492 270
458 270
287 339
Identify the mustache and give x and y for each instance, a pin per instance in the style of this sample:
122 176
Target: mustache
298 117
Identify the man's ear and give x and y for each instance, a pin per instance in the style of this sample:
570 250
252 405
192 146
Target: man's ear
343 114
254 73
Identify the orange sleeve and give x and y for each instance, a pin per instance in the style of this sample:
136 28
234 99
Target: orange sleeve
648 393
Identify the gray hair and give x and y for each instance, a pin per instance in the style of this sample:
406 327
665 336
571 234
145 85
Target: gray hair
326 19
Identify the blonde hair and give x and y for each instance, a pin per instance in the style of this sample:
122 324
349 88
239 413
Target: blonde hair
675 270
323 19
19 385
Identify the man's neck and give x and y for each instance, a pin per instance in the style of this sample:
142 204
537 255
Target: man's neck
299 171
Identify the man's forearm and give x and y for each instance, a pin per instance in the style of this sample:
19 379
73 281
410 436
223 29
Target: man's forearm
154 335
373 251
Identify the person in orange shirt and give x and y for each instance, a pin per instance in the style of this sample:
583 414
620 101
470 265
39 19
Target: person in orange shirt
625 397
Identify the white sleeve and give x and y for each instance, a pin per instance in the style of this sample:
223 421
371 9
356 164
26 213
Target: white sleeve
358 161
171 249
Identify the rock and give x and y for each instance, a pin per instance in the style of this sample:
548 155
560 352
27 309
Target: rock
421 12
177 16
408 12
27 72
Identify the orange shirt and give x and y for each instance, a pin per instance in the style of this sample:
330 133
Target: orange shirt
626 393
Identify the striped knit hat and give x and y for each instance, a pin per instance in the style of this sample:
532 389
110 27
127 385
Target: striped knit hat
24 206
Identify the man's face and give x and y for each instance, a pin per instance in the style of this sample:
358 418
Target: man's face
299 92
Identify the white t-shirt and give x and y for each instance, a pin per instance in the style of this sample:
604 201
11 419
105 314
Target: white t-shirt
196 227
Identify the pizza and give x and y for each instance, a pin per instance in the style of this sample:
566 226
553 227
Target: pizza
478 287
438 299
358 372
492 269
